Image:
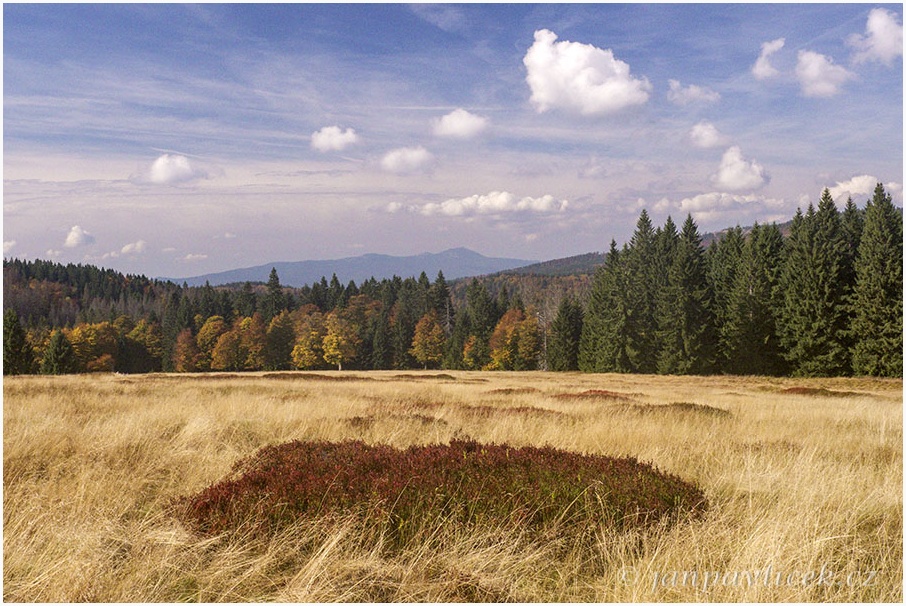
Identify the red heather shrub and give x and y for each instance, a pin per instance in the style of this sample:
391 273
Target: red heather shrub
408 490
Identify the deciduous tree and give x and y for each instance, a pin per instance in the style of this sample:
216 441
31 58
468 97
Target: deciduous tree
429 339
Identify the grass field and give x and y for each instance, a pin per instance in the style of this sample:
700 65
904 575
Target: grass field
803 478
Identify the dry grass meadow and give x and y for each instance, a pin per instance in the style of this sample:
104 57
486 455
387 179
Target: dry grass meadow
803 476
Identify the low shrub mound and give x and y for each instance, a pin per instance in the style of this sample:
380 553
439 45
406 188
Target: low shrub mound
408 491
818 391
680 407
595 394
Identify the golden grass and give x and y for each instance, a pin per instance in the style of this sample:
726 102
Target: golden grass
805 488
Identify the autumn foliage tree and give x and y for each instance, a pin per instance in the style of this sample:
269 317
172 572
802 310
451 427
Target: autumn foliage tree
515 342
429 339
340 342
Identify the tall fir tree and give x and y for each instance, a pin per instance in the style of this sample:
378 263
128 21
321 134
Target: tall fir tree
723 258
687 332
565 334
59 358
813 316
749 330
606 341
642 290
273 301
18 357
877 300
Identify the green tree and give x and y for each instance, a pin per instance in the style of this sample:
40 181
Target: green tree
565 334
750 331
687 332
723 259
877 301
18 358
813 316
641 263
59 358
605 344
279 342
246 300
274 300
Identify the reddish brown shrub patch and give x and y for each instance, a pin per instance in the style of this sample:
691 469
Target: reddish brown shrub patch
818 391
594 394
681 407
463 482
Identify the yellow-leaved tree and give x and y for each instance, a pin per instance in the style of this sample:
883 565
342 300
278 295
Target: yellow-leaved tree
429 339
340 342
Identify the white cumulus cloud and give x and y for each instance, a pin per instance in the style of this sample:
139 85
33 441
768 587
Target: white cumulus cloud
78 237
704 134
819 76
407 160
580 77
763 68
859 185
495 202
333 138
735 172
134 248
883 39
721 205
170 169
8 245
690 94
460 124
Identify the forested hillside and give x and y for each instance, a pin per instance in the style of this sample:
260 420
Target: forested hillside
824 300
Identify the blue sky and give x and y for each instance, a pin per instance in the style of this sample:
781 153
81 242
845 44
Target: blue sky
175 140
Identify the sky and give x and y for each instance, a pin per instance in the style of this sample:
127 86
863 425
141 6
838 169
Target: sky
177 140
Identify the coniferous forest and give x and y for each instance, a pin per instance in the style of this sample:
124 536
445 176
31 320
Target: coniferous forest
825 299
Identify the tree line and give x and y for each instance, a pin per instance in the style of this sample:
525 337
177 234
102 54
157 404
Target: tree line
826 299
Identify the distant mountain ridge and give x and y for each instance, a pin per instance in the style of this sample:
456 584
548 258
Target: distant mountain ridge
455 263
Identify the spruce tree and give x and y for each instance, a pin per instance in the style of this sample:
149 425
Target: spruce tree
642 291
877 301
59 359
813 316
565 334
605 341
723 258
687 336
273 302
749 332
18 358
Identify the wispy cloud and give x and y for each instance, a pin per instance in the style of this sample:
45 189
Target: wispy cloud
8 246
691 94
580 77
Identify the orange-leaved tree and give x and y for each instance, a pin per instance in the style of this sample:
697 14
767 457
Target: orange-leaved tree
429 339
